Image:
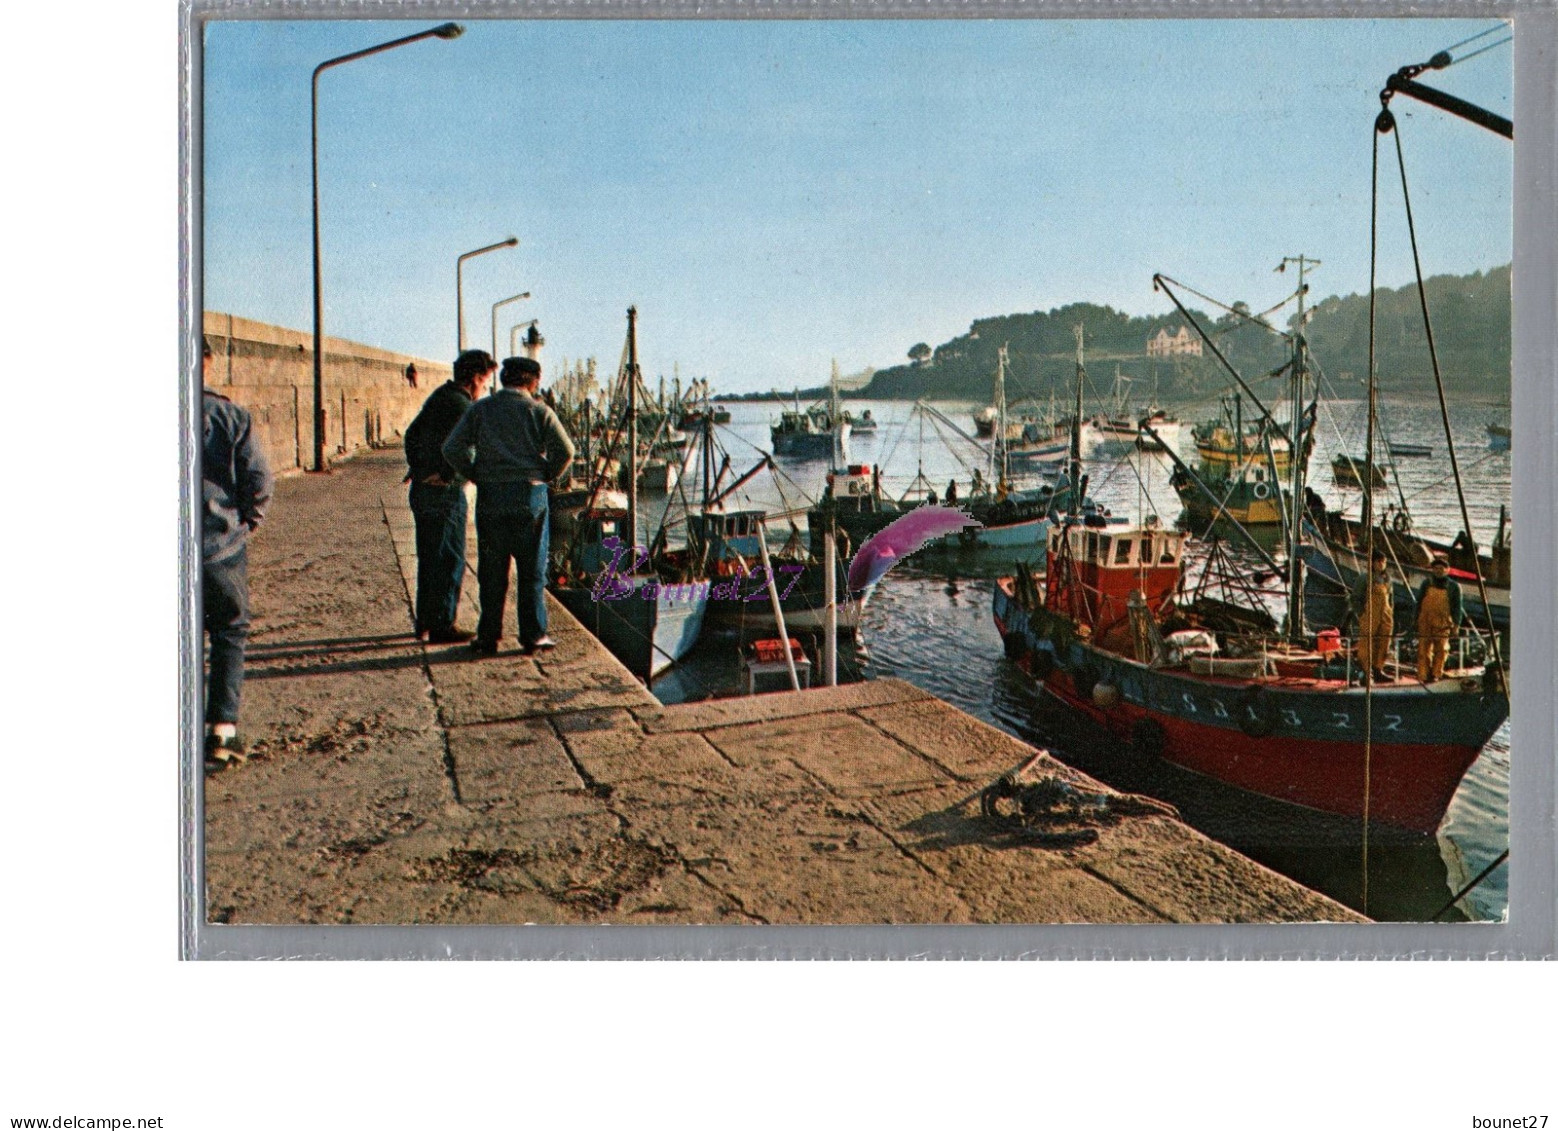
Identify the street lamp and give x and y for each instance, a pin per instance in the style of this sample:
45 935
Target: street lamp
459 294
495 306
442 31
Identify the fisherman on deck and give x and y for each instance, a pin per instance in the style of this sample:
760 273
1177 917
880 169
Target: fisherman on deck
1376 622
952 492
1439 615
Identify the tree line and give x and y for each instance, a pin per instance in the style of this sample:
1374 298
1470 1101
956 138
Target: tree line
1471 328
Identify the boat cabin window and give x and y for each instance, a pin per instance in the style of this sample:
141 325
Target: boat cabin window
608 526
1144 552
1090 547
1122 551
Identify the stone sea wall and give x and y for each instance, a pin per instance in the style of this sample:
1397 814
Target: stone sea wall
367 402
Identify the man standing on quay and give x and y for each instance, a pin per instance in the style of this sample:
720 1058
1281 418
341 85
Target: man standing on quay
236 485
512 445
438 499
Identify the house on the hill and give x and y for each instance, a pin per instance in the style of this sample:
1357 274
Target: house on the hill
1181 343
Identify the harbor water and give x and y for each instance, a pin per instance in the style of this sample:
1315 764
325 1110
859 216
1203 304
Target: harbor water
929 622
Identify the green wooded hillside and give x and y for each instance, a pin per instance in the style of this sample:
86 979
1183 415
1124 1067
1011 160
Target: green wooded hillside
1471 315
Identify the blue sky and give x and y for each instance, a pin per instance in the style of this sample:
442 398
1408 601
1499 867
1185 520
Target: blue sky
774 194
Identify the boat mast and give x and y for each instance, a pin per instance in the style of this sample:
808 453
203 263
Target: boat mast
834 417
1296 451
632 383
1076 430
998 449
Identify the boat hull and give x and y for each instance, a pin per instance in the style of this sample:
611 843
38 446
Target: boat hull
751 608
647 635
1300 742
1032 534
810 445
1247 503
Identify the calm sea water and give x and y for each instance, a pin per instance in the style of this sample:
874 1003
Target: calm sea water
930 623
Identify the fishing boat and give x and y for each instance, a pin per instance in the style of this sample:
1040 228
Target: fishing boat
726 544
657 474
1166 430
1281 718
984 421
819 431
1247 494
853 506
865 424
1350 472
1009 518
796 434
1227 442
1240 470
646 608
1113 432
1111 629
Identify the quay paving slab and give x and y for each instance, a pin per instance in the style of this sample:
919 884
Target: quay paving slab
510 763
396 782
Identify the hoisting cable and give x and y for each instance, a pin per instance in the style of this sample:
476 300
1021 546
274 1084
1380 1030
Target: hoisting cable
1482 875
1500 26
1368 524
1162 281
1258 319
1386 120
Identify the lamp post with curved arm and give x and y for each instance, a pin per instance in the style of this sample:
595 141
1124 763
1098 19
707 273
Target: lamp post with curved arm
495 306
442 31
459 283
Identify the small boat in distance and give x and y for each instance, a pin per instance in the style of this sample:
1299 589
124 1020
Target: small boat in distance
1410 451
1498 437
1349 472
866 423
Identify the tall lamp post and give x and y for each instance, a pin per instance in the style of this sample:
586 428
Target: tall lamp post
442 31
459 283
495 306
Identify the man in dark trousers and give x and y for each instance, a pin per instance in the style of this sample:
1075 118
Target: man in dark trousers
512 445
438 499
236 485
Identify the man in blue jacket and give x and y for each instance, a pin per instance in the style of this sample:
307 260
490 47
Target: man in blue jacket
512 445
236 486
438 499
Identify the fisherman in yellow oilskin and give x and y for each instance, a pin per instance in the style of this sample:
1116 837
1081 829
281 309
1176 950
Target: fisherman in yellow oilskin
1439 615
1376 622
